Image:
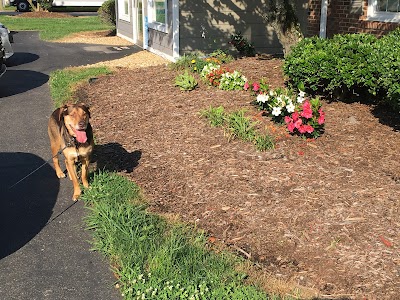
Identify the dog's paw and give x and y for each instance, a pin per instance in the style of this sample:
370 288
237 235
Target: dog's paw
61 175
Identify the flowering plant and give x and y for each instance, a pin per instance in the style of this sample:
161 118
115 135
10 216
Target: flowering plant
308 120
279 102
197 64
256 87
208 68
232 81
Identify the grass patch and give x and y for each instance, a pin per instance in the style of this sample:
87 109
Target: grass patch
55 28
153 258
237 125
64 82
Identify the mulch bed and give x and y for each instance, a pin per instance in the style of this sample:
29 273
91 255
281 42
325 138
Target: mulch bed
43 14
322 213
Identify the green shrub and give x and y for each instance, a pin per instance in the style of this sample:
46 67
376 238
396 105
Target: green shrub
46 4
185 61
107 12
388 68
336 66
185 81
222 56
242 45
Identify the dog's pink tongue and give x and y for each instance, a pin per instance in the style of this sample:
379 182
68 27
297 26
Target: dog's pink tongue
81 136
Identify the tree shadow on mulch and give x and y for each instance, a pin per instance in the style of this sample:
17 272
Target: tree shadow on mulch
387 116
114 158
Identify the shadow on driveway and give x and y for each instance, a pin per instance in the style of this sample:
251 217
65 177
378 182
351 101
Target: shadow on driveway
21 58
25 208
16 82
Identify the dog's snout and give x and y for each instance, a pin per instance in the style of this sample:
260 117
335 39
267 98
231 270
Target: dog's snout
81 124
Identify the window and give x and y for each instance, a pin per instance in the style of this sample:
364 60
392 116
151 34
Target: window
123 10
388 5
158 15
384 10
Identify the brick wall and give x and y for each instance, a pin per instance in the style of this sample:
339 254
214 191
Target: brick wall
345 18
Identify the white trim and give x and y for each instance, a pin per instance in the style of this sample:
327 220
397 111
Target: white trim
162 54
373 14
153 24
323 19
125 37
175 29
121 11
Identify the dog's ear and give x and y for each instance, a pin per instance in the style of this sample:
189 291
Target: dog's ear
85 108
63 111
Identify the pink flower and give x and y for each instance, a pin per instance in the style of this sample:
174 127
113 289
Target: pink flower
290 127
308 128
306 105
256 86
246 86
302 129
298 123
288 119
295 116
306 113
321 119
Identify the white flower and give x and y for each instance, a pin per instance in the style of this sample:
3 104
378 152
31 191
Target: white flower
290 107
276 111
262 98
300 99
271 93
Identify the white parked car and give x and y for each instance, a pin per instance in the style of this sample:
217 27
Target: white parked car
6 39
2 59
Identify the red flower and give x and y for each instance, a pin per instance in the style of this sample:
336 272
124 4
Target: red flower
309 128
246 86
288 119
302 129
295 116
256 86
290 127
321 119
298 123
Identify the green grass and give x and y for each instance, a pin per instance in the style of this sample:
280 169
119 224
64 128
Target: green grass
53 29
63 82
154 258
238 126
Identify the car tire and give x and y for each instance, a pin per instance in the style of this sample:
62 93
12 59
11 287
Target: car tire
23 6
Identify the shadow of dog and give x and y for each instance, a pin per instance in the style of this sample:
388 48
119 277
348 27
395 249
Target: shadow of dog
114 158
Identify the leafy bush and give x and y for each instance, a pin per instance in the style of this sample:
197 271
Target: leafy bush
388 67
231 81
222 56
357 66
107 12
242 44
46 4
186 82
333 66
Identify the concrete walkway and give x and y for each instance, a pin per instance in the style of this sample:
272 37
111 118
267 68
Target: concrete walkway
44 248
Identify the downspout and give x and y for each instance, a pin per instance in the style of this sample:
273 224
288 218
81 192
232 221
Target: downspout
175 29
323 19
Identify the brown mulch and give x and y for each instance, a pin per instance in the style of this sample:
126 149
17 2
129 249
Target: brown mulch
43 14
323 213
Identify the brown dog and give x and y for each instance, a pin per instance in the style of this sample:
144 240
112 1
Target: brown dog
70 133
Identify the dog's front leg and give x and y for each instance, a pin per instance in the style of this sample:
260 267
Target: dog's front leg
70 163
85 171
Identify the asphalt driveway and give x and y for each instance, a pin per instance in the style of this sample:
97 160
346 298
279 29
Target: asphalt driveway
44 248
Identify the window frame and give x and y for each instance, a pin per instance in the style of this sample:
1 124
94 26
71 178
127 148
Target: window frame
373 13
151 12
121 11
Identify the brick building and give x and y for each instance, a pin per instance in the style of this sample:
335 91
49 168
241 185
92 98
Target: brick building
353 16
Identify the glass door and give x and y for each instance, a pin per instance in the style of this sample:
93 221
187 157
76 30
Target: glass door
138 22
